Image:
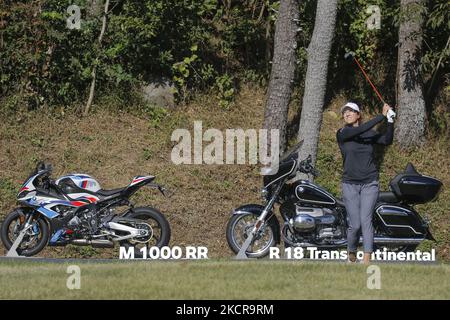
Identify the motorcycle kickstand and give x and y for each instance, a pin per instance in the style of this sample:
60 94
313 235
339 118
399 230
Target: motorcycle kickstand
242 253
12 252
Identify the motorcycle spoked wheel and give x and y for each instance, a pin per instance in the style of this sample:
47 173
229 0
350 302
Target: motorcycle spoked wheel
34 240
237 230
159 226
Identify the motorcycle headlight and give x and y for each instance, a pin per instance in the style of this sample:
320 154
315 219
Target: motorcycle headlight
22 194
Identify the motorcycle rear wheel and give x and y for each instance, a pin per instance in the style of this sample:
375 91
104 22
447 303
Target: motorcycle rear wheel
160 229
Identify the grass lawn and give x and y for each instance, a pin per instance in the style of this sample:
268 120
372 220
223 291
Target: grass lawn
222 279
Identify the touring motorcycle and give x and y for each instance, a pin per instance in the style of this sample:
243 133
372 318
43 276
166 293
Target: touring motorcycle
312 217
75 210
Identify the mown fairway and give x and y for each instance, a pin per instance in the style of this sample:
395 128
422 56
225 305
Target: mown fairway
222 279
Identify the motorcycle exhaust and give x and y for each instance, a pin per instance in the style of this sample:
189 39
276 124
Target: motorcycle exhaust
93 243
343 243
399 241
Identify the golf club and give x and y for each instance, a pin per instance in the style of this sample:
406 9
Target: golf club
351 55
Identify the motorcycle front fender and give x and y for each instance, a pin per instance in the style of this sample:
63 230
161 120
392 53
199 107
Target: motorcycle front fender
258 209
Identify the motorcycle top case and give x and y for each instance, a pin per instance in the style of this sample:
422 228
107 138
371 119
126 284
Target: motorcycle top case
415 188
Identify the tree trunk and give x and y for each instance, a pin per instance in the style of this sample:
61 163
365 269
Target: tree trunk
94 69
283 69
268 51
316 77
410 129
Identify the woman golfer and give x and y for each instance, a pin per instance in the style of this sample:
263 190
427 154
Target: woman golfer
360 185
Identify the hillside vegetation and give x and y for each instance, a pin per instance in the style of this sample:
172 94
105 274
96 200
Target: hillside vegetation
115 143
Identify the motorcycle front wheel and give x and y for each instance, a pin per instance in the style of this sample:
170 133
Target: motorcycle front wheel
35 239
239 228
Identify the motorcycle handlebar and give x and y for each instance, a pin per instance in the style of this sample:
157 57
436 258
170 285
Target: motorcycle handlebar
306 167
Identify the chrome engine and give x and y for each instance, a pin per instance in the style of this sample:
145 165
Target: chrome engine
306 219
320 221
303 223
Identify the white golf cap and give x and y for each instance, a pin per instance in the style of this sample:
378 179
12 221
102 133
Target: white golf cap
352 106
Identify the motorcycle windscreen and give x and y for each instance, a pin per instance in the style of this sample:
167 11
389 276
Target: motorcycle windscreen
285 168
291 153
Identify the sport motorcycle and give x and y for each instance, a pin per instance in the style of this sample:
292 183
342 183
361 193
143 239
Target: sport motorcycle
75 210
313 217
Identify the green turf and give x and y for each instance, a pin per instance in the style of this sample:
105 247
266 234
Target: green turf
223 280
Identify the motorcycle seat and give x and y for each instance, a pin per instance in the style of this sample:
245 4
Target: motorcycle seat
387 196
108 193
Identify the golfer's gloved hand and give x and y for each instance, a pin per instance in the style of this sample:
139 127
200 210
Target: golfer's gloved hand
390 116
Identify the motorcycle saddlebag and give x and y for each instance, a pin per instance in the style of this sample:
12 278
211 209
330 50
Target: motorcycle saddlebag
414 188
